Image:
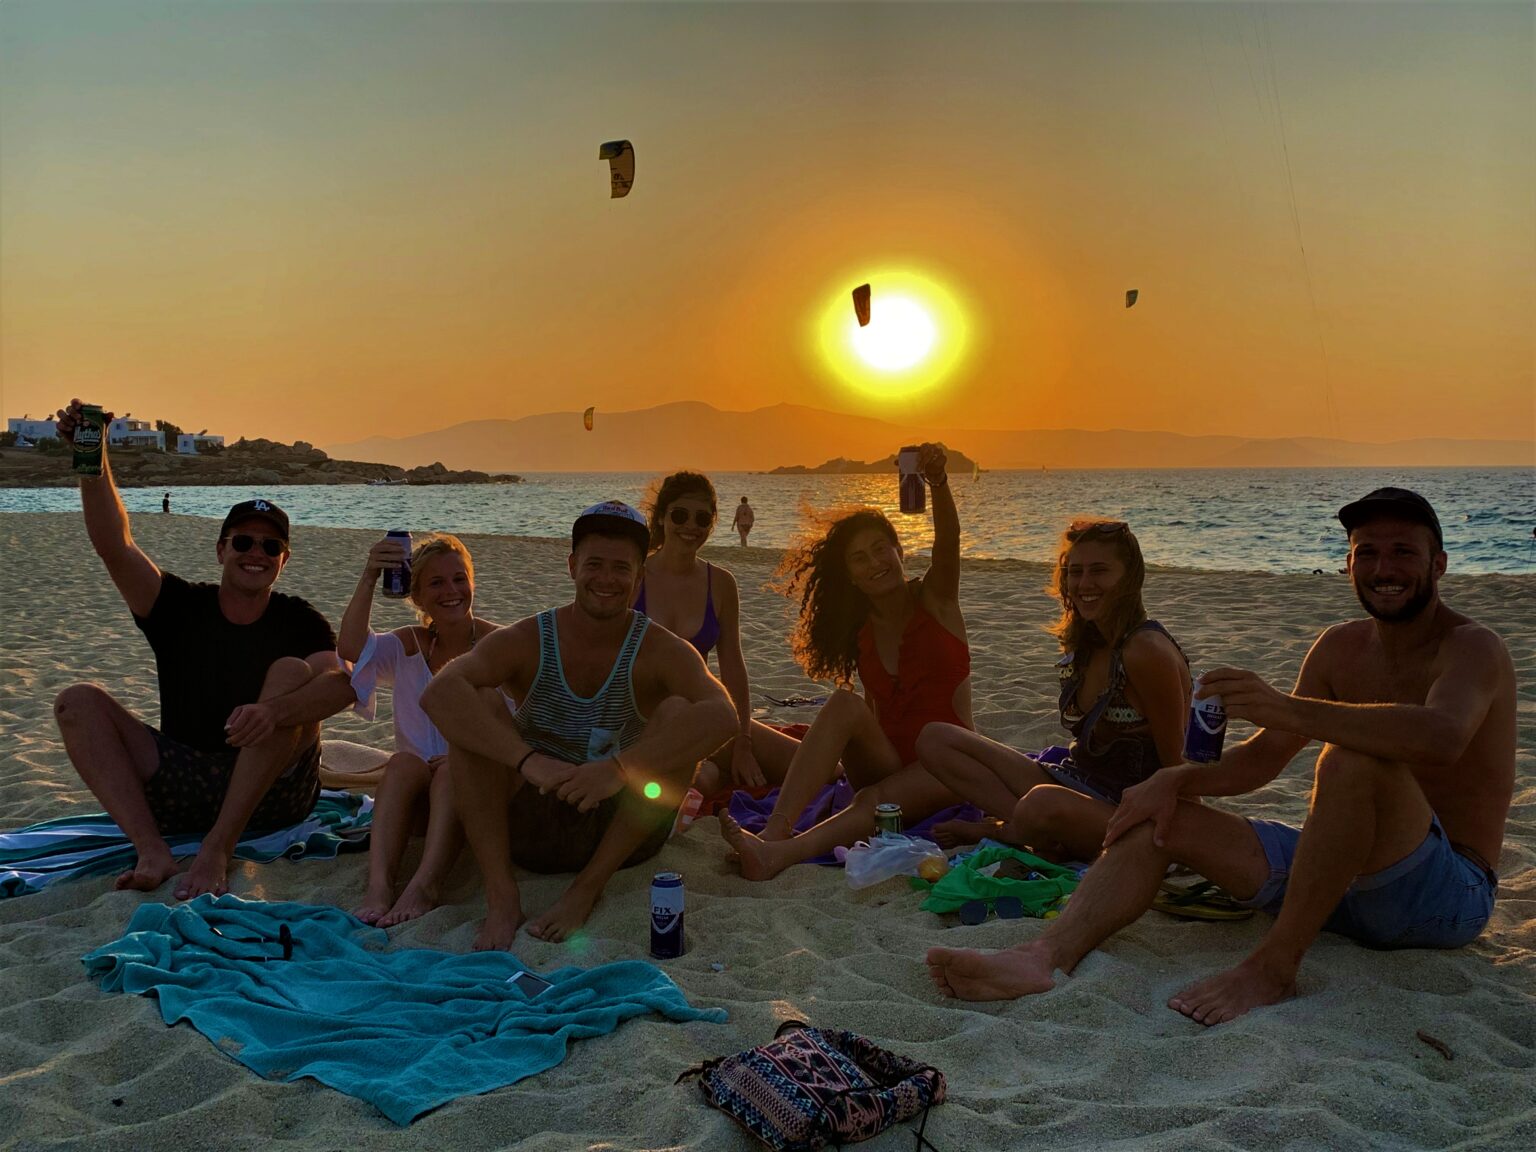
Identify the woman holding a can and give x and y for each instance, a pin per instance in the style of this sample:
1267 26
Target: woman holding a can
1125 692
699 601
905 641
438 577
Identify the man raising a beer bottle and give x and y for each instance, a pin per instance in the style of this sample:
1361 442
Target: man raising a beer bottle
1415 708
613 716
245 674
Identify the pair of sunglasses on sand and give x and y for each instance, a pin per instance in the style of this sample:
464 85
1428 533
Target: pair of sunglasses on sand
1006 907
271 545
679 516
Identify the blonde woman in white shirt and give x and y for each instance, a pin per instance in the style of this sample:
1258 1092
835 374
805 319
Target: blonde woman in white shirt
415 789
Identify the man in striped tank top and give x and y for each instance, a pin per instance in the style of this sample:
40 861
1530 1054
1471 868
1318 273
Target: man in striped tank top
613 716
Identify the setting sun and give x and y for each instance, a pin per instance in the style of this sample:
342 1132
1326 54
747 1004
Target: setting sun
915 337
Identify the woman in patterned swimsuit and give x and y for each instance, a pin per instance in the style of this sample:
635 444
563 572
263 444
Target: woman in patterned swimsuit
1125 691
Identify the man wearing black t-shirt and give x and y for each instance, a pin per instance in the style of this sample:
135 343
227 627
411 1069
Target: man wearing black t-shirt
246 675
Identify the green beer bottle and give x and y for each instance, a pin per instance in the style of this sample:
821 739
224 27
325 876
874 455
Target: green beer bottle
90 439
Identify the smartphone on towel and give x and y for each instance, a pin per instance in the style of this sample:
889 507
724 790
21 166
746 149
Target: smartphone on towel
529 984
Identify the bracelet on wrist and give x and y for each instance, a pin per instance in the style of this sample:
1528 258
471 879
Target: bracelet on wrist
528 755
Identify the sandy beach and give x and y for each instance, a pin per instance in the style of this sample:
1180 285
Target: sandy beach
1099 1062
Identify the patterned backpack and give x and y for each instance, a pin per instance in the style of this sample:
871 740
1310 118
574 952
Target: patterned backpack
814 1087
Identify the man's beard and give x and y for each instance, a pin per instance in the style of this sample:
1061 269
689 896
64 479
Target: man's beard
1408 610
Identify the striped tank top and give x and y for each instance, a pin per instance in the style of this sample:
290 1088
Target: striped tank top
553 720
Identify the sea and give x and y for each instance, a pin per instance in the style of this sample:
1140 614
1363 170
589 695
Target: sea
1271 520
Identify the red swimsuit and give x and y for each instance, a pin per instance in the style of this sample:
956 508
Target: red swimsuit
931 663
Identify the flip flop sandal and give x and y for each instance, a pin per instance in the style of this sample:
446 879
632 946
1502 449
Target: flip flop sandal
1202 901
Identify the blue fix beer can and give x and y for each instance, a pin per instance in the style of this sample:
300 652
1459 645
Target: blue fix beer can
667 916
1207 729
397 581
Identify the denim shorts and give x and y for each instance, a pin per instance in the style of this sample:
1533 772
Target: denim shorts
1432 898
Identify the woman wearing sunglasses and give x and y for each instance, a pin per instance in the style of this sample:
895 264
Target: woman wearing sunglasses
443 594
698 601
1125 691
905 640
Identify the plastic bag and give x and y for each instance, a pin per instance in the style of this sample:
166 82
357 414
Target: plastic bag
886 855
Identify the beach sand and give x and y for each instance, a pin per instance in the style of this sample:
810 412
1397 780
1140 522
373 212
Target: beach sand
1099 1062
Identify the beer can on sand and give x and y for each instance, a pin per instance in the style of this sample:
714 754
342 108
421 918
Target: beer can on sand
913 498
90 436
667 915
888 818
397 581
1207 729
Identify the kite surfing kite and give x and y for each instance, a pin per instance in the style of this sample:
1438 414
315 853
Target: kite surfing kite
861 304
586 419
1130 297
620 155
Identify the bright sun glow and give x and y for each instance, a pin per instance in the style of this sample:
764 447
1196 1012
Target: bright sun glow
899 335
915 338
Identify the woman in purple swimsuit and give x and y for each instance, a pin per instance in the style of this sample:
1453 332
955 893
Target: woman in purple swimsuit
698 601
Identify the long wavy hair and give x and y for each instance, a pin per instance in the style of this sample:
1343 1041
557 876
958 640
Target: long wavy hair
1125 609
825 640
430 547
669 490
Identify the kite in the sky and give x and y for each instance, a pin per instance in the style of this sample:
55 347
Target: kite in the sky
861 304
586 419
620 155
1130 297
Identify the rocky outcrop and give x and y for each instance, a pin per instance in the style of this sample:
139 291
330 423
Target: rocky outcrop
245 462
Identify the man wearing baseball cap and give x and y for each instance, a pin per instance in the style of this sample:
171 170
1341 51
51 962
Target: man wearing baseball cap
612 719
1415 709
246 675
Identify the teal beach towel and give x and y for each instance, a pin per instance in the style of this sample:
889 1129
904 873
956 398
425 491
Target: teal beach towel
73 847
405 1030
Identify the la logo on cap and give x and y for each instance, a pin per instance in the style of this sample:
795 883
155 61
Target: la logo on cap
261 506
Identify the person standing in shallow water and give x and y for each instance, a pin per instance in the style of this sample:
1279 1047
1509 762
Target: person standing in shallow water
1415 708
165 502
743 520
906 641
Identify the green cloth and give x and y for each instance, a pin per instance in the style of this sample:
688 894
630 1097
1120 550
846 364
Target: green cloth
964 882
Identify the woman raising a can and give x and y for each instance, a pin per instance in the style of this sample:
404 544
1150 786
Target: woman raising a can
906 641
439 578
1125 693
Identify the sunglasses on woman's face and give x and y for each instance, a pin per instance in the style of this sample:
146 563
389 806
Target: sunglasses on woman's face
272 546
679 516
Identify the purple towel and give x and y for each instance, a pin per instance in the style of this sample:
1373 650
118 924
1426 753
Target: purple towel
753 814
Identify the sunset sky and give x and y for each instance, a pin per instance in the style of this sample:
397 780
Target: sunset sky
332 220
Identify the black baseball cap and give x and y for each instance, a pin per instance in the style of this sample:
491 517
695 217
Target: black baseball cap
1399 502
612 518
257 510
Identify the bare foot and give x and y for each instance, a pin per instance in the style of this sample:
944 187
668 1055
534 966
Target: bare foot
1233 993
778 828
569 913
376 901
209 875
759 859
500 927
416 900
153 868
708 779
970 975
953 833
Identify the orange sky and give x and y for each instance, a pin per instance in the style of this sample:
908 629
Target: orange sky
325 220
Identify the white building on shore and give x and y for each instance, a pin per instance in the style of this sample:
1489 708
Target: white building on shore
190 443
30 430
125 432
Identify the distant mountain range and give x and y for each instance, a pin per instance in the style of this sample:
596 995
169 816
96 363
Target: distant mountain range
696 435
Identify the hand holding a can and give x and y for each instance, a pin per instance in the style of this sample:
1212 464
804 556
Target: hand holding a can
1248 696
385 556
932 463
68 419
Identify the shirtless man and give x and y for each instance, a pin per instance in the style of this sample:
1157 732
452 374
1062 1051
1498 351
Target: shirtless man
1415 708
612 719
246 675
